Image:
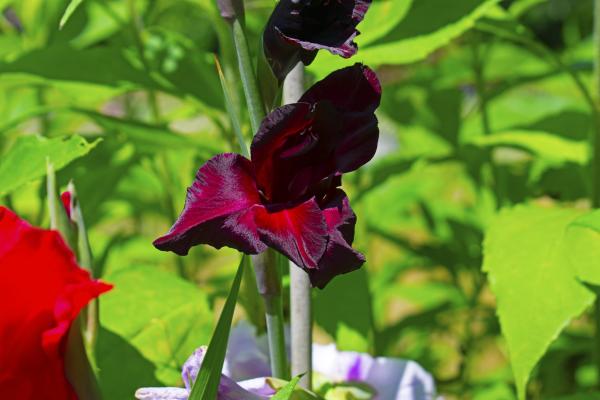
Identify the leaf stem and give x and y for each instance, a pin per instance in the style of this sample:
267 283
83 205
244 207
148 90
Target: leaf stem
300 289
268 278
254 101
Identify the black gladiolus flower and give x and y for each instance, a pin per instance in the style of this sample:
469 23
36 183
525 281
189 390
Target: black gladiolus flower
287 196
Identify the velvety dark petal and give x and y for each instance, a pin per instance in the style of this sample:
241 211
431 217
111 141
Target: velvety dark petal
350 89
339 257
297 29
293 150
218 209
300 233
355 92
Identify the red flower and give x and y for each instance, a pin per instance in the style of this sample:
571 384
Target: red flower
297 29
42 291
287 195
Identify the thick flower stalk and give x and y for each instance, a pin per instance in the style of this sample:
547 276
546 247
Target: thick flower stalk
42 291
287 195
298 29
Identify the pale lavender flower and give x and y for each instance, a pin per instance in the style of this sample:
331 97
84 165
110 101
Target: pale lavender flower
390 378
253 389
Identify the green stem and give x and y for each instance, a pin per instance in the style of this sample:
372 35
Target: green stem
254 101
300 289
266 265
595 142
268 278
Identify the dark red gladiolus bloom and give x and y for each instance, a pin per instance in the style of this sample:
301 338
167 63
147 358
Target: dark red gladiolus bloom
42 291
297 29
287 196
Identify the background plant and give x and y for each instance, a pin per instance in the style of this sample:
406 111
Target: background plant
487 105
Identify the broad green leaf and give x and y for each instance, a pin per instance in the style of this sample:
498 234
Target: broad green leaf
152 321
207 383
381 18
25 161
530 271
69 11
553 149
287 391
124 71
427 26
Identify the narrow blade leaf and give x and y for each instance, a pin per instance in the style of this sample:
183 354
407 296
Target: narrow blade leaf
69 12
207 383
286 392
233 115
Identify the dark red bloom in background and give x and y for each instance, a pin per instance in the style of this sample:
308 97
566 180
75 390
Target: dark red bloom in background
287 196
42 290
297 29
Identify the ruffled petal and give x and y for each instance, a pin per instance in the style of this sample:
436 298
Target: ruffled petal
168 393
217 209
300 232
42 292
354 89
339 256
297 29
356 103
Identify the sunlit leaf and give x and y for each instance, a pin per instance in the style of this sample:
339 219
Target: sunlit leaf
152 321
427 26
554 149
25 161
530 267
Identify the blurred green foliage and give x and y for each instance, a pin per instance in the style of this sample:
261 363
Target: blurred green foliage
486 105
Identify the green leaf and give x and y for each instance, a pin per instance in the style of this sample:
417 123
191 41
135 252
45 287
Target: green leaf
382 17
427 26
345 312
287 391
554 149
124 71
231 110
69 11
25 161
207 383
583 238
530 271
150 138
151 322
